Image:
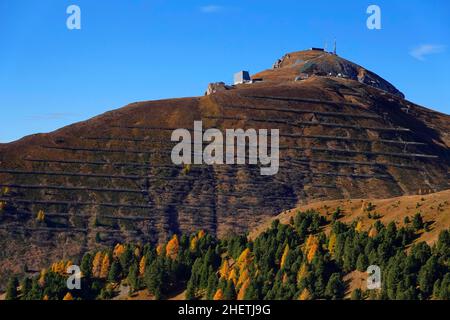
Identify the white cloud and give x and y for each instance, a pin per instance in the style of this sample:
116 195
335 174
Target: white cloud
211 8
424 50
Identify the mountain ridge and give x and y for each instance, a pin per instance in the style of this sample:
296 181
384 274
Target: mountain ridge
110 179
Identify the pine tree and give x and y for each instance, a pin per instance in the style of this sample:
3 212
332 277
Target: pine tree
252 292
133 277
335 287
154 280
11 289
212 284
25 288
362 263
230 291
126 258
357 294
444 291
427 275
114 272
190 291
418 221
86 266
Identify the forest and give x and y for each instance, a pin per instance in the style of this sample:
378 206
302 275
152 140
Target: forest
306 259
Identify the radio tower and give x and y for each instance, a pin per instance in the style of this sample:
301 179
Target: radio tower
334 50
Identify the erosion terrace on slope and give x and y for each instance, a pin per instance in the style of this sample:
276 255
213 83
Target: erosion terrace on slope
345 133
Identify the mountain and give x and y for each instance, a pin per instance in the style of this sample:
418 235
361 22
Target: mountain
345 133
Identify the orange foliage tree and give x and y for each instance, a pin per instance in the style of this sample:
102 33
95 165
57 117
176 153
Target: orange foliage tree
224 269
218 295
68 296
332 243
97 264
59 267
243 290
40 216
142 266
302 273
284 256
305 295
172 248
105 267
119 249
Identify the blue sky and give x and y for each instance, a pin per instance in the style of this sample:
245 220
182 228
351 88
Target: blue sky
134 50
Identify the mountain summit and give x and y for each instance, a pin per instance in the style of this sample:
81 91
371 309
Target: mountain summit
317 62
345 133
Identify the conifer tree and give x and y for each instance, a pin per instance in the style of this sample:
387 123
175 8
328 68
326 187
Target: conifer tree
335 287
230 291
114 272
11 289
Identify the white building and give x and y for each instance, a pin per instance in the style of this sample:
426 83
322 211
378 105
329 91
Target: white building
242 77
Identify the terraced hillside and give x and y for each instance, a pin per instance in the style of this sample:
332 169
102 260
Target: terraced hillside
110 179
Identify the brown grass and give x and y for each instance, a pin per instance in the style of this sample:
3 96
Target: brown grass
435 209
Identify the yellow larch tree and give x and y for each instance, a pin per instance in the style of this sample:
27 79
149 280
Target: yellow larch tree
285 278
302 273
332 243
218 295
284 256
173 247
224 269
59 267
41 280
243 290
137 252
309 242
305 295
312 252
104 271
373 232
159 249
193 244
5 190
68 264
142 266
40 216
233 276
243 277
244 259
119 249
359 226
68 297
97 264
201 234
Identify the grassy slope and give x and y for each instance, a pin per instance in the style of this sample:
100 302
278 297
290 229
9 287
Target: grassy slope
394 209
